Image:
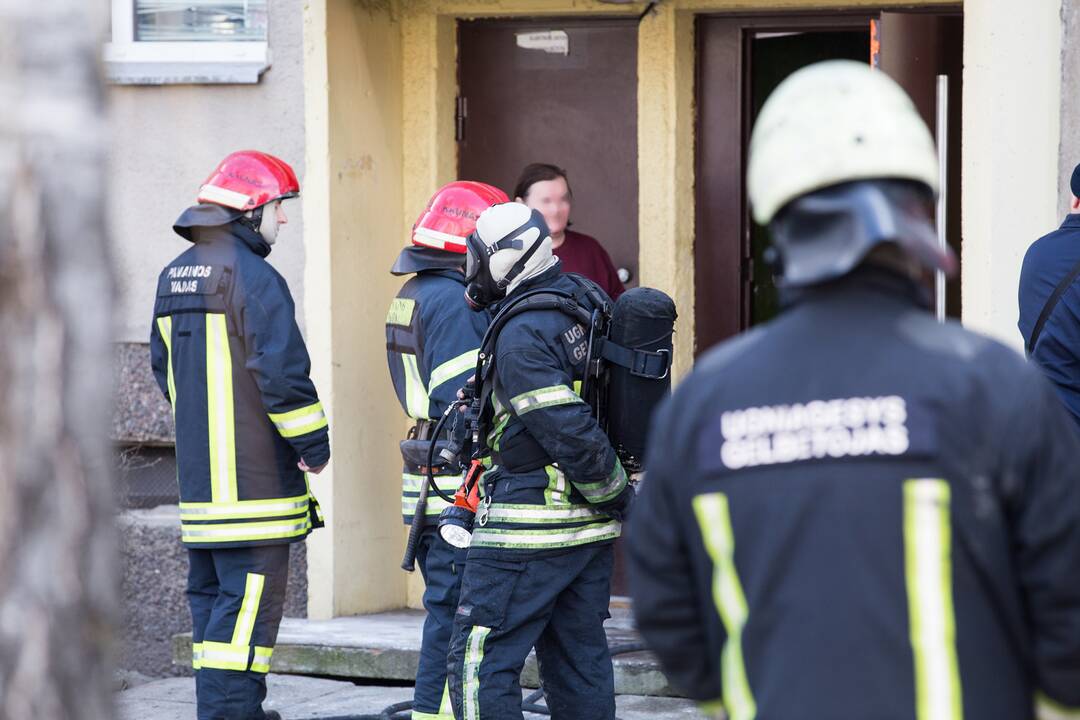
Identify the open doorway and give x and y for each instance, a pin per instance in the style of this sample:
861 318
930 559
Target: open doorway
741 60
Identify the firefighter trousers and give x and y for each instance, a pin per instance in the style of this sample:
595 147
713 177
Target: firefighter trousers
441 565
237 596
556 604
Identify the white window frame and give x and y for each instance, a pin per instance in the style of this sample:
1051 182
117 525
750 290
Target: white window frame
131 62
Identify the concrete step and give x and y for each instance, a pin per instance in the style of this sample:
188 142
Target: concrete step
304 698
386 646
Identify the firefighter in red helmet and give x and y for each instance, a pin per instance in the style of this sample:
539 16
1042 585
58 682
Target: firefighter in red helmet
431 343
228 355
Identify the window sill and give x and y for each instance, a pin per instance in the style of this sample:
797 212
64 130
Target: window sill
157 63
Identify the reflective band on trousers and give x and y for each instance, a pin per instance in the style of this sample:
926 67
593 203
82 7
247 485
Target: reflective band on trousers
249 609
474 655
224 656
714 519
928 572
534 539
300 421
452 368
416 396
219 403
165 331
244 509
1047 709
544 397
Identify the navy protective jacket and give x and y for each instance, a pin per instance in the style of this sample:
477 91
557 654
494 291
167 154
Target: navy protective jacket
227 353
1057 349
857 512
555 474
432 338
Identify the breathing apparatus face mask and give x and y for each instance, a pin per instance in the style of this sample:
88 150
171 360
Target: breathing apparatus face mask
482 288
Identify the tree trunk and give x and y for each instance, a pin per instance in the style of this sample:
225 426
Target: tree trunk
57 548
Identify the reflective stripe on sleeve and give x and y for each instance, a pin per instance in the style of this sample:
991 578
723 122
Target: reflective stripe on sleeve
219 398
928 573
714 519
260 663
1047 709
300 421
452 368
605 490
249 609
196 655
544 397
165 331
416 395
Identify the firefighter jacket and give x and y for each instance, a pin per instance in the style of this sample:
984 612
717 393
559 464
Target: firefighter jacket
432 338
554 471
228 355
858 512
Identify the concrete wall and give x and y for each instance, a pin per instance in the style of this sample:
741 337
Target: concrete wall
1012 140
167 139
1070 101
353 81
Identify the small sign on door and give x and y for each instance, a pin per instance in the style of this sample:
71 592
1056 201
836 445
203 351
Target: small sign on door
553 42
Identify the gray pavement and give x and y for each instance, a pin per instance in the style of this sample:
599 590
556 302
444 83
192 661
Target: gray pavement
306 698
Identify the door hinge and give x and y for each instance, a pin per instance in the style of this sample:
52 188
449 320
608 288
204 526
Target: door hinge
461 114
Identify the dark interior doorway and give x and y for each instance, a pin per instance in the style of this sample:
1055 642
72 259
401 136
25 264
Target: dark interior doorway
561 91
741 60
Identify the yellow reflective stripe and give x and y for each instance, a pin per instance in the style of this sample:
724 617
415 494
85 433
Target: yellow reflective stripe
300 421
219 396
249 609
474 655
225 656
604 490
261 662
1047 709
544 397
274 507
539 514
165 331
401 312
196 655
452 368
416 396
712 709
540 539
244 531
556 492
928 574
714 519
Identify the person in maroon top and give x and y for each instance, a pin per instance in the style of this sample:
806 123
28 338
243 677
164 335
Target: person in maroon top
545 188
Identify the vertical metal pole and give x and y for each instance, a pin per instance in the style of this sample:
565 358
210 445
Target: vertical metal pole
943 178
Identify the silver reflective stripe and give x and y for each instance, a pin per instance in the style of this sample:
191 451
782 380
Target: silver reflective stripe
928 571
605 489
452 368
531 539
544 397
261 662
474 656
244 531
249 609
416 395
285 507
411 482
1047 709
309 419
499 512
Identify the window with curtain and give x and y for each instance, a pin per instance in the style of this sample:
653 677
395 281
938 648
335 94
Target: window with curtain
200 20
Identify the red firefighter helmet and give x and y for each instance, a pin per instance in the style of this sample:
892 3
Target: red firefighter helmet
451 214
249 179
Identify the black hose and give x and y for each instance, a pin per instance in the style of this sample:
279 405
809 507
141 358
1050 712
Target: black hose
432 485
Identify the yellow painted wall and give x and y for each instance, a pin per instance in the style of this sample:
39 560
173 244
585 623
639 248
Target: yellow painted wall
353 91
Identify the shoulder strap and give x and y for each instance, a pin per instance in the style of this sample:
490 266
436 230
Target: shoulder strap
1050 305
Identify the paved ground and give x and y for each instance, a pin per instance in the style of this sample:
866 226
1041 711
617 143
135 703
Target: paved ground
305 698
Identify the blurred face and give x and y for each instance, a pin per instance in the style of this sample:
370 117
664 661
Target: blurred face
552 199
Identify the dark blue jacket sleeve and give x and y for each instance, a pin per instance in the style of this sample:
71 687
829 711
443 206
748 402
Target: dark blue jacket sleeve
660 567
1046 529
541 395
159 359
452 335
278 360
